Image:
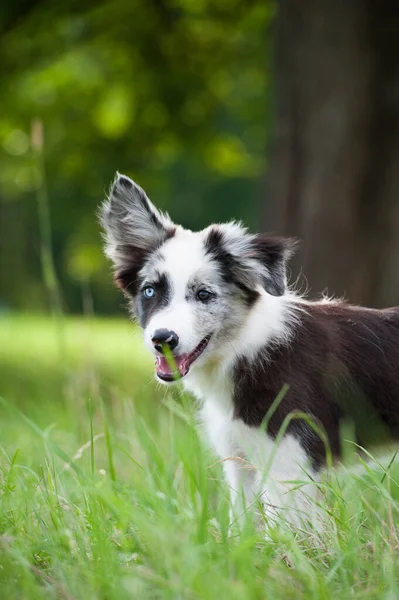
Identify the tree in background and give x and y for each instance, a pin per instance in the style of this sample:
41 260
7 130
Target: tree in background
334 163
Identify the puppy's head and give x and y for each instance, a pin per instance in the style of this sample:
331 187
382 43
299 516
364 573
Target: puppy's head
191 292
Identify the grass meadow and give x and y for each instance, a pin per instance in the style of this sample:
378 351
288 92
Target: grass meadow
108 491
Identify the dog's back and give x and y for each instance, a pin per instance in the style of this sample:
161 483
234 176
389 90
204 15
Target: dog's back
342 362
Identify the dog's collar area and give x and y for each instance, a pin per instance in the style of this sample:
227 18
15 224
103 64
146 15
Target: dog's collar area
179 366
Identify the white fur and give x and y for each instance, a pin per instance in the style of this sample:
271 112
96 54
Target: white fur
272 320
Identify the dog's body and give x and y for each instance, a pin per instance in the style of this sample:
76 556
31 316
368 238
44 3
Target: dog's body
259 359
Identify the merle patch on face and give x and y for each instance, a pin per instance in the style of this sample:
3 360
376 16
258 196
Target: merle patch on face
148 306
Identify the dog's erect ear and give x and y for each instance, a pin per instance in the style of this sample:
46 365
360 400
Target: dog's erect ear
133 229
251 260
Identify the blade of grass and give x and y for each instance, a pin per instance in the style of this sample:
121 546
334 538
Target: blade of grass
91 437
108 443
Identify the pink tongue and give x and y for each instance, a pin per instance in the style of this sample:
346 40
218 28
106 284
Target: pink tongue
163 365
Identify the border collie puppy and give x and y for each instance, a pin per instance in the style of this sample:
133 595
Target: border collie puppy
218 301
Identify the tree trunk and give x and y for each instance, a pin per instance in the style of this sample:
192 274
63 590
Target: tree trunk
333 178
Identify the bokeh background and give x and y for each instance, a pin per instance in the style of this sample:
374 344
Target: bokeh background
282 114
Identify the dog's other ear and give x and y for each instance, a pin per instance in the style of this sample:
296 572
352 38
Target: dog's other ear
250 260
133 229
273 252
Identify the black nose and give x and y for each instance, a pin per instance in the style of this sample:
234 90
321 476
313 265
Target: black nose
164 337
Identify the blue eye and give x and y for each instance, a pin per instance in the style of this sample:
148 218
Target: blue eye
149 292
204 295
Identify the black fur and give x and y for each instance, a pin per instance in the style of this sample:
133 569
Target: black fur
146 307
135 257
126 279
125 182
215 247
273 251
342 362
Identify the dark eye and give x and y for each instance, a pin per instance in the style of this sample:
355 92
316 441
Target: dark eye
204 295
149 292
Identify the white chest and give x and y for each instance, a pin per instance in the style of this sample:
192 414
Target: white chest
230 437
252 460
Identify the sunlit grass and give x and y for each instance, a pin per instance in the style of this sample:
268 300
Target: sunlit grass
108 491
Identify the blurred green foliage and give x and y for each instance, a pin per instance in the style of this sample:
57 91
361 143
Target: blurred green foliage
171 92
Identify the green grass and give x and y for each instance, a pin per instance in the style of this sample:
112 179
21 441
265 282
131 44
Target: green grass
108 491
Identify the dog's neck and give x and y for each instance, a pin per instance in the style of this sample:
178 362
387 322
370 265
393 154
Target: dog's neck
272 320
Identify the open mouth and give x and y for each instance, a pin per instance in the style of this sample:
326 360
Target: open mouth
177 367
